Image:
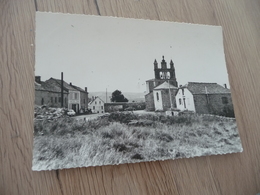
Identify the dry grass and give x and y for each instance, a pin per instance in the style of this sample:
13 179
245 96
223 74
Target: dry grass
67 143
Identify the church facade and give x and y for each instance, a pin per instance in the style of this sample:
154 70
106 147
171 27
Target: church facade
162 89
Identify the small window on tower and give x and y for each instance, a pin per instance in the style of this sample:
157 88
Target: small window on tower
180 101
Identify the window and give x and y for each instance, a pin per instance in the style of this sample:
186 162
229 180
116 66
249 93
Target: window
93 107
65 100
102 107
76 96
99 102
224 100
180 101
42 101
182 91
55 99
95 102
157 96
59 99
51 99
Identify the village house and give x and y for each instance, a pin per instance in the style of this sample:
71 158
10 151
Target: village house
97 105
205 98
46 94
162 89
77 97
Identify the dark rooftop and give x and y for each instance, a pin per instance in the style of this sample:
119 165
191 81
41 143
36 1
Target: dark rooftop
206 88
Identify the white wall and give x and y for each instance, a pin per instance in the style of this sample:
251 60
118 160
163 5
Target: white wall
158 102
189 102
97 106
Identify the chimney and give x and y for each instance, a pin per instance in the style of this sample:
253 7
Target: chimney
86 89
70 83
225 85
38 79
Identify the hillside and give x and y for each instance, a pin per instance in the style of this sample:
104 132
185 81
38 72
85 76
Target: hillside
131 96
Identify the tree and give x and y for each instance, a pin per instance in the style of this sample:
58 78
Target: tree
117 96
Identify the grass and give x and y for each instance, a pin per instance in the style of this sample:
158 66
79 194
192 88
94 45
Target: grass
66 143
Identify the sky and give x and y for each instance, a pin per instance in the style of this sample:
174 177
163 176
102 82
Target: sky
108 53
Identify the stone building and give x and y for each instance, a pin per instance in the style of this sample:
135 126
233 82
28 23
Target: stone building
205 98
46 94
77 98
162 89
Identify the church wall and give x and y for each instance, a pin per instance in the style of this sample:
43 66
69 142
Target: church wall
166 99
158 102
149 102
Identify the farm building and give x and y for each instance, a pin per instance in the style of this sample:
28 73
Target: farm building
204 98
77 98
46 94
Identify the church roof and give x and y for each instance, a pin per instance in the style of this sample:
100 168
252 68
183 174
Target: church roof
165 85
206 88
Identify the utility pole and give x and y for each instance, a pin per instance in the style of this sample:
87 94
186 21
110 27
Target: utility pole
62 89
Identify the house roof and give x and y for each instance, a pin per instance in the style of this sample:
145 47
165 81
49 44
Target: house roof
206 88
165 85
78 88
65 84
95 99
48 87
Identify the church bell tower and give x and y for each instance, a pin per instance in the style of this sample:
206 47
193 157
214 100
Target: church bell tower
164 73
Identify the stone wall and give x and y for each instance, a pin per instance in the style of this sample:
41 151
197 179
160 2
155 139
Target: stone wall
51 99
149 102
213 103
83 100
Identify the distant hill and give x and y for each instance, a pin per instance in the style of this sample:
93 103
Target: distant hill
131 96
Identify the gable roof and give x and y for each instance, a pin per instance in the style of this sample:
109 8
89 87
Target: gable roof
47 87
206 88
96 99
165 85
65 84
79 89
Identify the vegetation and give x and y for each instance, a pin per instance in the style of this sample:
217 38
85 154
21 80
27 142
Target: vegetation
125 137
117 96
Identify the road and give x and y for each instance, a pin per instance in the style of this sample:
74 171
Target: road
88 116
94 116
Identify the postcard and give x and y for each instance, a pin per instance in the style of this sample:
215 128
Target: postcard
113 90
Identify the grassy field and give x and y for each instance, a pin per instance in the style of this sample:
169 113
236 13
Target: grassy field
127 138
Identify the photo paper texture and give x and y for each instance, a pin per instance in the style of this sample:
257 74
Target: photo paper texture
112 90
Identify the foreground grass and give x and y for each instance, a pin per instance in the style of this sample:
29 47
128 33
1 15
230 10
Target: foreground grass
67 143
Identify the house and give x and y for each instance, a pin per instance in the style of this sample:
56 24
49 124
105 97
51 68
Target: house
204 98
47 94
77 98
97 105
162 89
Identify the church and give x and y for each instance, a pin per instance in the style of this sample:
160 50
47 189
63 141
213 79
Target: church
162 89
163 94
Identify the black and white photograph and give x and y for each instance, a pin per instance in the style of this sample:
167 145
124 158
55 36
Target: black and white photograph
113 90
